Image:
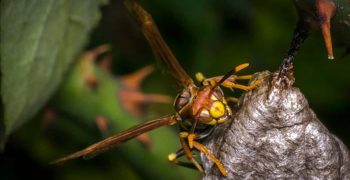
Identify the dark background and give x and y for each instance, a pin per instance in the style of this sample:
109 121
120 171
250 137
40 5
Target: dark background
207 36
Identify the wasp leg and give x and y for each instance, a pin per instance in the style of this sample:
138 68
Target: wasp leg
185 150
190 139
188 154
173 158
205 151
214 80
239 86
228 82
244 77
232 99
230 77
241 66
192 143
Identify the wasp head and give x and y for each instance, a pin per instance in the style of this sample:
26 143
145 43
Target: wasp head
206 104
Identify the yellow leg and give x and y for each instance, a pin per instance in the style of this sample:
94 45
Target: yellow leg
190 139
232 99
205 151
233 77
229 82
243 77
173 158
240 67
254 84
189 155
243 87
200 77
183 134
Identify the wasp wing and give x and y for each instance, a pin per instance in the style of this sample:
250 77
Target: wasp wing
157 43
117 139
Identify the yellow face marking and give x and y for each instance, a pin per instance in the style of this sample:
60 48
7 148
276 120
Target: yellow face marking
204 113
213 98
222 121
217 109
212 122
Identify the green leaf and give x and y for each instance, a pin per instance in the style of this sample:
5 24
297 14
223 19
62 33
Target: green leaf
39 41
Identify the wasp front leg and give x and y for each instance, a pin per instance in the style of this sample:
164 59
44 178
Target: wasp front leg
200 147
173 157
205 151
230 81
234 85
186 150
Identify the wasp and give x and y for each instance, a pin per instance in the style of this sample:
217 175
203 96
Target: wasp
199 109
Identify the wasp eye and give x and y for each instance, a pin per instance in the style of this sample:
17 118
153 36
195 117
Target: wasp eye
182 99
217 109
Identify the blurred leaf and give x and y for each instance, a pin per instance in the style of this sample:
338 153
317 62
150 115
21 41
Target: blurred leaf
39 41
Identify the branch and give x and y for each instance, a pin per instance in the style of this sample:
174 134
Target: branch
275 135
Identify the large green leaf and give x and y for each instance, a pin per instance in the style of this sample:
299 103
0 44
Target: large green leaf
39 41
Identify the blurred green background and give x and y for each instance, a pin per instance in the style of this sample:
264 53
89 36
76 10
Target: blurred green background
207 36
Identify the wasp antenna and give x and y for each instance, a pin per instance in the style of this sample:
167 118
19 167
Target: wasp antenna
230 73
223 79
